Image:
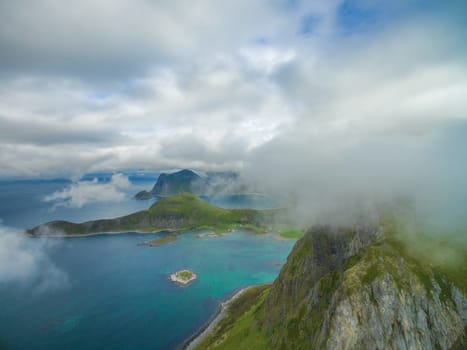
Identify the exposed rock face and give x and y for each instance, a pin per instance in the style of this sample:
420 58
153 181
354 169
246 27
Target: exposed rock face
383 316
350 289
179 182
143 195
188 181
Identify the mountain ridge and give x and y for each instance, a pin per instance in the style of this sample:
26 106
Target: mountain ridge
187 180
350 288
176 213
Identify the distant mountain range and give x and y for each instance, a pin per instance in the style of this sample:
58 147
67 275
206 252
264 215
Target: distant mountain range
188 181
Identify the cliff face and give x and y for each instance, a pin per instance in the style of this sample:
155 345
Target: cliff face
179 182
212 183
353 289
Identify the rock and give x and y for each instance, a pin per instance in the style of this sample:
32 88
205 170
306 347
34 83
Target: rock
144 195
186 180
352 288
348 289
183 277
178 182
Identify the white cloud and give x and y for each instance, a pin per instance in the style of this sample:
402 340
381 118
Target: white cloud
123 37
82 193
26 260
226 85
266 58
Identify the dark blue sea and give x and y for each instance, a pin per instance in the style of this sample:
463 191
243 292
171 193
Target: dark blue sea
108 292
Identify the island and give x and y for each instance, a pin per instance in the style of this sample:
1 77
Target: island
186 180
183 277
160 241
176 214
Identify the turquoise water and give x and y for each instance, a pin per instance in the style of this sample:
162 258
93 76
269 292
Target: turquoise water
117 294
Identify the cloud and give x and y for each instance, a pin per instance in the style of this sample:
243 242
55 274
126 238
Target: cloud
26 261
379 119
124 37
82 193
328 100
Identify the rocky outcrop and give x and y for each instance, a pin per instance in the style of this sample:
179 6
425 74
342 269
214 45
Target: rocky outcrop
143 195
352 289
178 182
382 315
186 180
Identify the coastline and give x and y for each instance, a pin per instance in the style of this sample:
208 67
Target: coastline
110 233
100 233
209 326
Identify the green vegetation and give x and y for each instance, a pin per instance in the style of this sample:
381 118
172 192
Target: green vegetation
184 275
182 212
291 314
441 253
239 328
161 240
291 233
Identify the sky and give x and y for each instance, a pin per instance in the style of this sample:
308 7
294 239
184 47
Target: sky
327 98
110 85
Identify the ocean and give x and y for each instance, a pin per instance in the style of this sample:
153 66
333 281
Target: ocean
107 291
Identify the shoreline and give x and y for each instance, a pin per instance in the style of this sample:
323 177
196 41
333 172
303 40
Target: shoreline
111 233
209 326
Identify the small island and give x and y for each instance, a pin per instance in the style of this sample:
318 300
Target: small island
183 277
160 241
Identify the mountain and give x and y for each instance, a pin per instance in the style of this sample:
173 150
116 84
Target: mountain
350 288
181 181
176 213
188 181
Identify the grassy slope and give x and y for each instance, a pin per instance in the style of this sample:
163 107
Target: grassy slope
245 329
291 233
177 213
161 240
238 330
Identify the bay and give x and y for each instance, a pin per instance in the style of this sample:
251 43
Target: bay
117 294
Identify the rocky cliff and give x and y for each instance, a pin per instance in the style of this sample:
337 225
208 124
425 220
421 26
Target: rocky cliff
352 289
212 183
181 181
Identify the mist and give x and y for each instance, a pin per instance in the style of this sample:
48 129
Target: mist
340 185
26 262
81 193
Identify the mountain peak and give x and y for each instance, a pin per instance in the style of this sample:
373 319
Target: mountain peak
174 183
